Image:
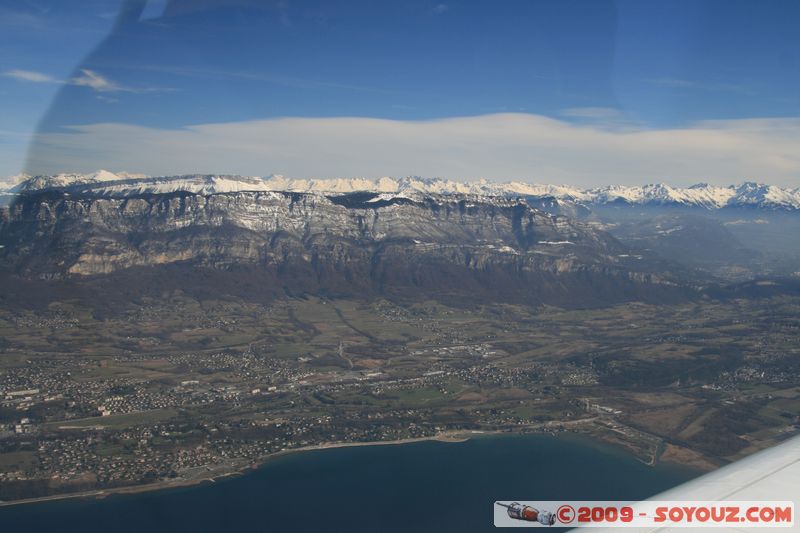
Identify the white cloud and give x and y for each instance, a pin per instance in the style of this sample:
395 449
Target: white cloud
96 81
498 146
87 78
30 75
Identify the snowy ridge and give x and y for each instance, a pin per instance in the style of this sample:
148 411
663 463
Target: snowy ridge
60 181
702 195
12 181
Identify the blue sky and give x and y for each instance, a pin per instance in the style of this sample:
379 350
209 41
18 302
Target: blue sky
606 73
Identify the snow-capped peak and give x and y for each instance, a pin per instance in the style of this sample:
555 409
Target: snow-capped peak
71 179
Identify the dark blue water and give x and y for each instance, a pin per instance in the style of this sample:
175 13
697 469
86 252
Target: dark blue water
426 486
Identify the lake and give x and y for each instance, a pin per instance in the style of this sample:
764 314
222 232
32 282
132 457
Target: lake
422 486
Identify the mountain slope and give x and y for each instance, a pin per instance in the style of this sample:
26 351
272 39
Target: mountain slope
467 247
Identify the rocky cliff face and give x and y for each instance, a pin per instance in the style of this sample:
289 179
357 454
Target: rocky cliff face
352 242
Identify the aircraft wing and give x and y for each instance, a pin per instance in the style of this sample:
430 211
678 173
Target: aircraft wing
771 474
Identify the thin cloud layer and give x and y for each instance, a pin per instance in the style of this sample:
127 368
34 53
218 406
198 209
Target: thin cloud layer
30 75
87 78
498 146
94 80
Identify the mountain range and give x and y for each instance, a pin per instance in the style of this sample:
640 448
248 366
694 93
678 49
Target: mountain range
704 196
410 236
409 243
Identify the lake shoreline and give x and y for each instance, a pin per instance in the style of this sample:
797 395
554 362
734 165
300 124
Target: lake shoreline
98 494
458 436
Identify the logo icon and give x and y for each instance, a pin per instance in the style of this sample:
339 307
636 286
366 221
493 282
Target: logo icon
517 511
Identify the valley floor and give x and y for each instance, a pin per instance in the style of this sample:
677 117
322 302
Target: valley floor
180 390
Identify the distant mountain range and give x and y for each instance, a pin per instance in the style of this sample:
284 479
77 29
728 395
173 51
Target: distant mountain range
458 247
108 184
410 236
